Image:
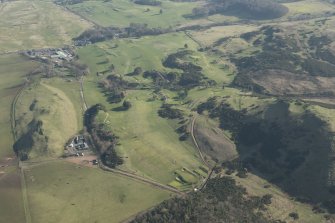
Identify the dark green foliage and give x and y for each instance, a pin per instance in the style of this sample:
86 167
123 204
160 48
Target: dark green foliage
68 2
268 144
104 141
114 88
208 105
98 34
33 137
167 111
221 200
148 2
330 205
137 71
33 105
175 60
190 79
126 104
294 215
183 132
249 9
192 75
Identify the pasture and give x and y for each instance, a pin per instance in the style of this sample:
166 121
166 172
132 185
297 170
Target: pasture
312 7
121 13
209 36
37 24
72 193
12 73
71 88
52 106
150 143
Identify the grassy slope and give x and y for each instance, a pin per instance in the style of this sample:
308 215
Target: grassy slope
282 204
209 36
122 13
71 88
308 6
70 193
150 141
154 135
59 122
36 24
212 140
12 71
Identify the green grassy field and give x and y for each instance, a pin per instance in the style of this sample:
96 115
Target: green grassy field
12 73
13 69
308 6
209 36
146 139
71 193
71 88
149 141
55 110
122 13
37 24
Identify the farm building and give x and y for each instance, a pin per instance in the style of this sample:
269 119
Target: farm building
79 143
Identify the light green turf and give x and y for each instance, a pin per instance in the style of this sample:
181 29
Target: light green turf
122 13
71 88
37 24
12 71
60 120
209 36
63 192
308 6
149 141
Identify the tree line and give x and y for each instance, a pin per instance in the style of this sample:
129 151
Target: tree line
104 140
222 199
254 9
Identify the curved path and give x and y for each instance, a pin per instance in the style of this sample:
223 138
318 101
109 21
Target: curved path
23 180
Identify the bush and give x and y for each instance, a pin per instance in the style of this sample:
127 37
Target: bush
294 215
166 111
126 104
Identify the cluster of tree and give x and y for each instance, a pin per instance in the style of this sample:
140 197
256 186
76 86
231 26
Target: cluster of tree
192 75
104 140
254 9
32 137
222 199
175 60
68 2
98 34
148 2
114 88
183 131
136 71
167 111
